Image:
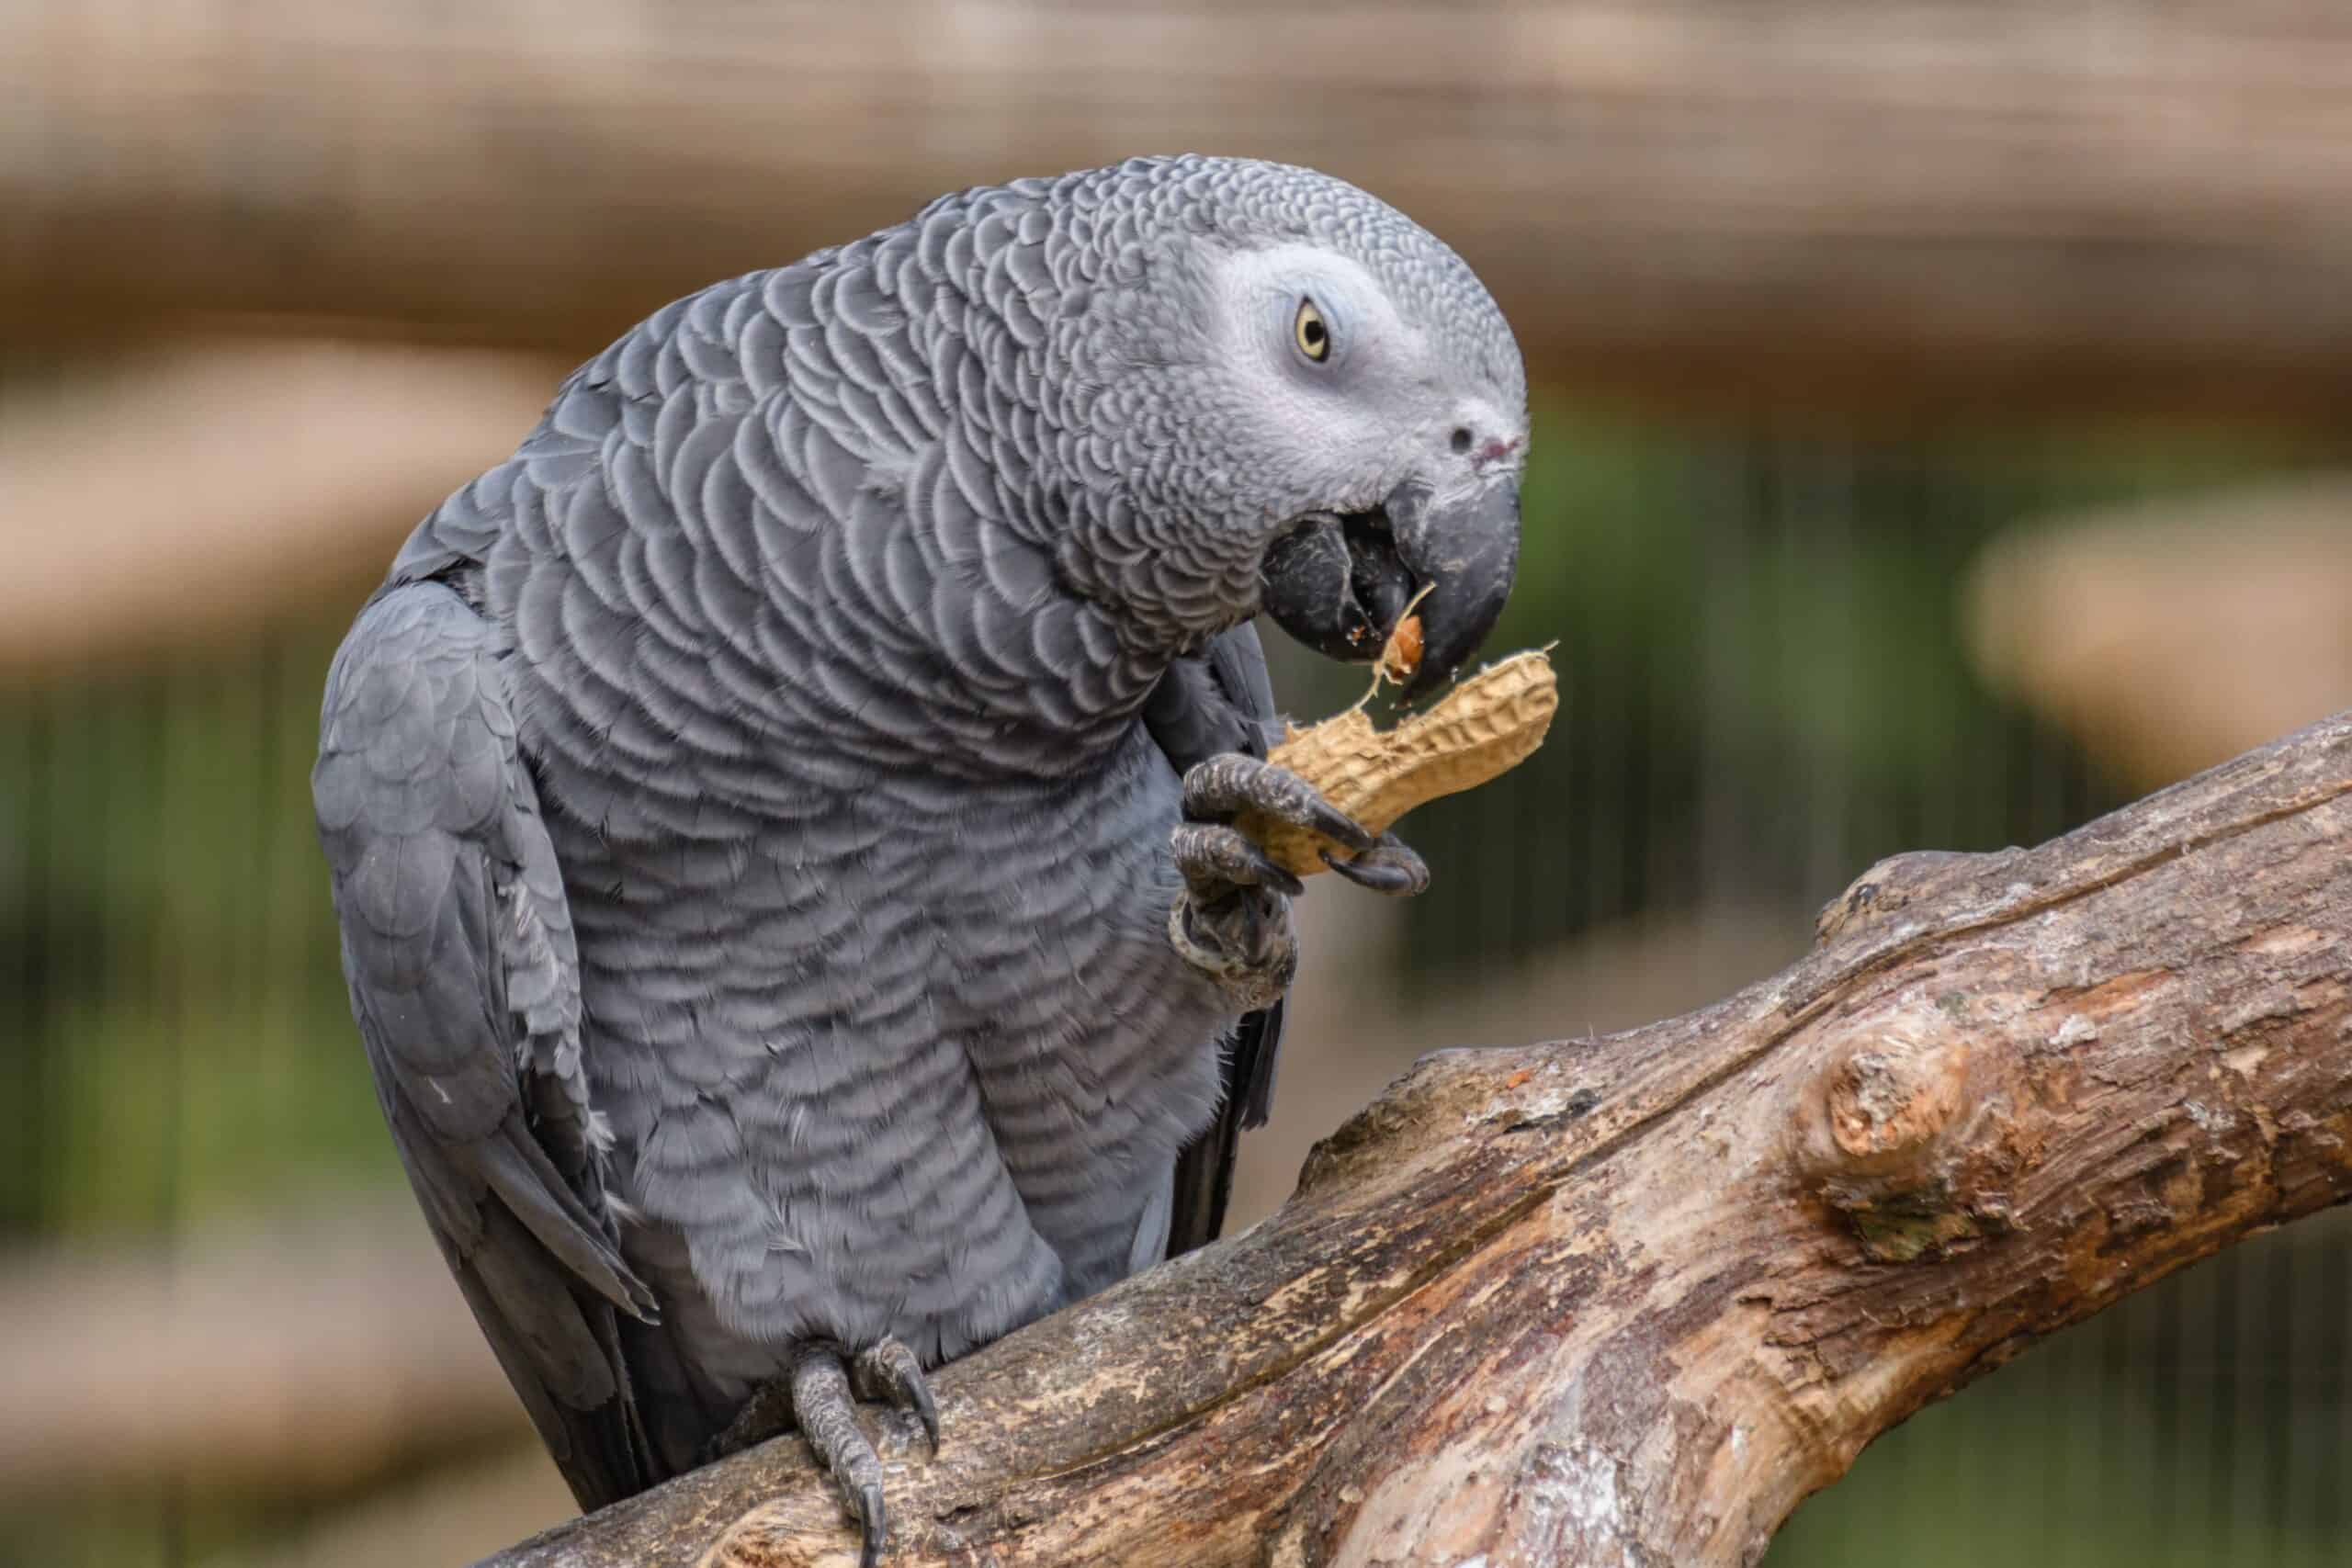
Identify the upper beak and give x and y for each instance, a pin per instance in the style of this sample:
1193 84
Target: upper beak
1340 584
1464 549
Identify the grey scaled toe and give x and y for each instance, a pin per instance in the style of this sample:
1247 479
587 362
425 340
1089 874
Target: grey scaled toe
1224 786
889 1371
1213 859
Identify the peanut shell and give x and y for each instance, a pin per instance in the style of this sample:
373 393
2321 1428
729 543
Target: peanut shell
1484 727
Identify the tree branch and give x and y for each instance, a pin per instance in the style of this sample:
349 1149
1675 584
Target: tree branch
1627 1301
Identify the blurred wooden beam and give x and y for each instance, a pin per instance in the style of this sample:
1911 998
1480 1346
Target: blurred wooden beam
181 495
454 1513
2133 201
297 1355
2168 634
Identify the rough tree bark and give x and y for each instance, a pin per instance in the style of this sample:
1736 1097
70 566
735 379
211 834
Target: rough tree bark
1629 1300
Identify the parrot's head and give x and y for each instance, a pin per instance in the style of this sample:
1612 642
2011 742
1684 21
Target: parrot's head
1403 414
1316 397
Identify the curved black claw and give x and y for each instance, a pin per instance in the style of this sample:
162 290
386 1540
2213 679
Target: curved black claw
887 1369
1390 866
826 1416
872 1525
1223 787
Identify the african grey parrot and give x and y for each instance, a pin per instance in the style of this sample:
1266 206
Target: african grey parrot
779 817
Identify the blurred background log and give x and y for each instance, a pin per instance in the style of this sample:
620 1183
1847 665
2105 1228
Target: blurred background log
137 516
1829 200
2172 634
316 1351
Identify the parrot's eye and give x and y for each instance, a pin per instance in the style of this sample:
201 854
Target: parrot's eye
1313 337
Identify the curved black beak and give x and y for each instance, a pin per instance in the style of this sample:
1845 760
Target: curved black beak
1339 584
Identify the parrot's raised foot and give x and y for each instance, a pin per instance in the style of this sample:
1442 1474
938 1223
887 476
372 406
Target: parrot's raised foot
1223 787
1389 866
1232 922
1214 857
889 1371
826 1416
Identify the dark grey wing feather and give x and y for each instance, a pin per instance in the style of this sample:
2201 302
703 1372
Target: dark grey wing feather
1203 1186
1222 700
457 946
1239 661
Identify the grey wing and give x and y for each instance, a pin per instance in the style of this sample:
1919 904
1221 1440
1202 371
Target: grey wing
457 947
1221 701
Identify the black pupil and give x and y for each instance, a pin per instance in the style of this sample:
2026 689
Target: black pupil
1313 331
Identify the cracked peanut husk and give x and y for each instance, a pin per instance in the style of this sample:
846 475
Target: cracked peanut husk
1485 727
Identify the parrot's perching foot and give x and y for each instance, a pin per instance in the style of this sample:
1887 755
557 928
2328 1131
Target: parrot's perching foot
815 1395
1232 922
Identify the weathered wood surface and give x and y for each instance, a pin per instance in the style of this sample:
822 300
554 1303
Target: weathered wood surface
2135 200
1629 1300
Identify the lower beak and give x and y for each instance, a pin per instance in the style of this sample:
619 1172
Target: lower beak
1340 584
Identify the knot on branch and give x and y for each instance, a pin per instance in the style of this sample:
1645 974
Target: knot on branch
1900 1139
1897 882
1888 1103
